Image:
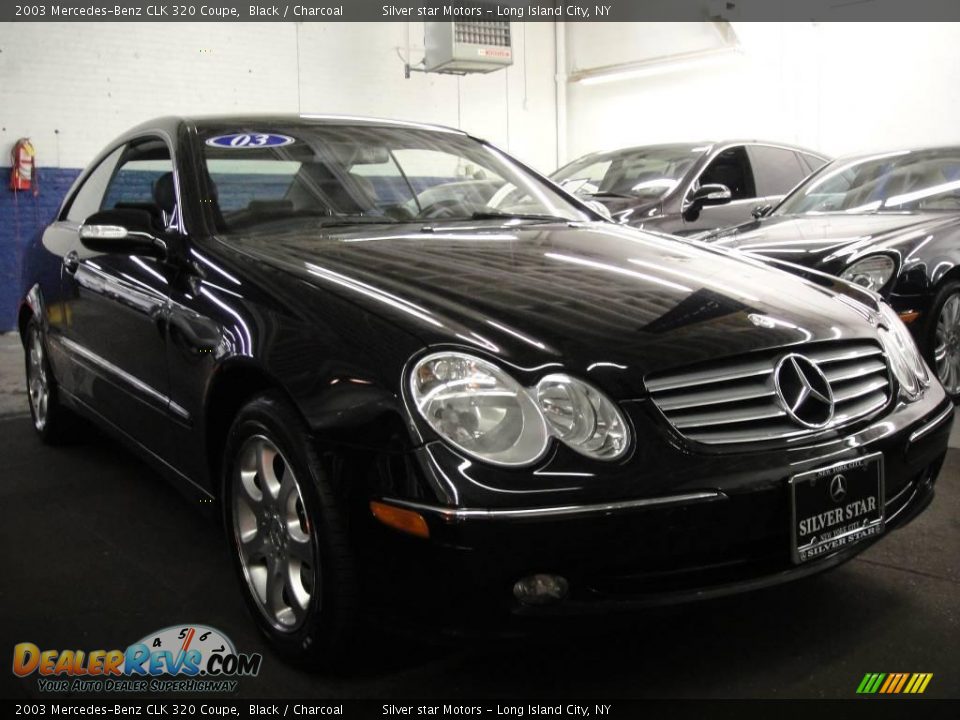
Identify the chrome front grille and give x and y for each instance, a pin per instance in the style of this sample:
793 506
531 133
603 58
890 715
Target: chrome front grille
735 401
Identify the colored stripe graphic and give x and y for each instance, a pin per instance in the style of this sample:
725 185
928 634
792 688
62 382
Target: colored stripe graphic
891 682
862 687
894 683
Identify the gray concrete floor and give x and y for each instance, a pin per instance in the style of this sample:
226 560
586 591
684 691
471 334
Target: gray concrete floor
13 398
101 551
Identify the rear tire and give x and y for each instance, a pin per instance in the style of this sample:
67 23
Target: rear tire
941 338
287 532
51 420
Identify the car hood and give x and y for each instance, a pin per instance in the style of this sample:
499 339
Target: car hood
584 296
829 239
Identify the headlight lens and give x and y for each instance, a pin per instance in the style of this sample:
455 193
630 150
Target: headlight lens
905 359
484 412
582 417
871 273
479 408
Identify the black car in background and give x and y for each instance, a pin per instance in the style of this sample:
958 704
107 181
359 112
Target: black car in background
689 188
453 404
889 222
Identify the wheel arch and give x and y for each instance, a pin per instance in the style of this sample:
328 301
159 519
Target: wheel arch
233 383
31 306
948 275
237 381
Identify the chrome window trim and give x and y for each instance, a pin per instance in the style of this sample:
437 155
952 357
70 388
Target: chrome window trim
453 514
179 224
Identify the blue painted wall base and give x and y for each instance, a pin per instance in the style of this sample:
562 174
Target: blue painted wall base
22 216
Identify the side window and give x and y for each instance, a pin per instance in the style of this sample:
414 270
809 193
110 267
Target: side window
88 198
144 181
588 179
731 168
812 162
776 170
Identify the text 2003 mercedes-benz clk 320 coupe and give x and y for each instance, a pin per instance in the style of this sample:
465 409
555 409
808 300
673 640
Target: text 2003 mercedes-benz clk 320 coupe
463 400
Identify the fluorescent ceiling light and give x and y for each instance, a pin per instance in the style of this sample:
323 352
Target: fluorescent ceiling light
656 66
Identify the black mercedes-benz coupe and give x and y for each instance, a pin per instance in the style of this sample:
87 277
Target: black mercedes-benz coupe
461 403
689 188
889 222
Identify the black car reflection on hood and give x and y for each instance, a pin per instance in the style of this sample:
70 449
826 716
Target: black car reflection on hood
887 221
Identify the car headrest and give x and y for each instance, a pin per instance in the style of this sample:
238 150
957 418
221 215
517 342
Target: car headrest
164 192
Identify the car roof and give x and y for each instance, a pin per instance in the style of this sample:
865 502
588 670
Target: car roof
202 122
928 150
707 145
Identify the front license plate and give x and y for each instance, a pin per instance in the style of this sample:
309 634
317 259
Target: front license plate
836 506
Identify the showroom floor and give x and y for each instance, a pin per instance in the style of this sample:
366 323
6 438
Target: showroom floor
102 552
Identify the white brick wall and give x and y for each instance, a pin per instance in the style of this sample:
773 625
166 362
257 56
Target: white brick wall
72 87
838 87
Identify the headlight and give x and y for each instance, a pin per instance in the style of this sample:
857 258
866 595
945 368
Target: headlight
871 273
582 417
481 410
905 359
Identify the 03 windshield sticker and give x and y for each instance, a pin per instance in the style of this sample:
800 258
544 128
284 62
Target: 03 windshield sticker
246 141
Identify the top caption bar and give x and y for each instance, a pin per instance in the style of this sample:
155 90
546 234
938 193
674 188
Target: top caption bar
482 10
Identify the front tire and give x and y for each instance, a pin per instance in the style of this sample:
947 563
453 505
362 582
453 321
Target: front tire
287 535
942 338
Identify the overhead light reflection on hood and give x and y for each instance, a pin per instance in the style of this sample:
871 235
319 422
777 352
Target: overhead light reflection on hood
618 270
374 293
736 292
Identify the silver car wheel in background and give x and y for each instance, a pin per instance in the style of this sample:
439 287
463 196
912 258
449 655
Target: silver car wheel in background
273 535
38 385
947 347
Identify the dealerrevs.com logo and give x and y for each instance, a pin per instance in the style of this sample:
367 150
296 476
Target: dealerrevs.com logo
180 658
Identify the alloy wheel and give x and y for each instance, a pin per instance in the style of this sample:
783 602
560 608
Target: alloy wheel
38 384
946 352
273 534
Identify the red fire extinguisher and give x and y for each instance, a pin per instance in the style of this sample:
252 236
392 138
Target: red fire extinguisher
23 173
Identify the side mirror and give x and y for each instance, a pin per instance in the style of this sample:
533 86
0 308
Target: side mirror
125 231
711 194
599 208
761 211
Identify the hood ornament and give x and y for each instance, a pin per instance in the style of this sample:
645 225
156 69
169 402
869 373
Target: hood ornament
804 391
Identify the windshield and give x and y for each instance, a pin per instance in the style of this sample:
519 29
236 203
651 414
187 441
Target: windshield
643 173
893 182
333 175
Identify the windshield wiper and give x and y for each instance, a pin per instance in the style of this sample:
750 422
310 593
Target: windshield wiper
539 217
607 193
344 221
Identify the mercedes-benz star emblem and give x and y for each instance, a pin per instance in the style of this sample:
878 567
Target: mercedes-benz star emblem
803 391
838 488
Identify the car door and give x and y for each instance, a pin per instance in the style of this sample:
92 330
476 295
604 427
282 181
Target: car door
731 168
776 171
115 333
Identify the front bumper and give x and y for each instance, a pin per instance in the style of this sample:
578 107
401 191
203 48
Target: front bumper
716 524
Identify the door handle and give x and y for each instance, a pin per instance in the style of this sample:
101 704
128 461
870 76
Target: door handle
71 261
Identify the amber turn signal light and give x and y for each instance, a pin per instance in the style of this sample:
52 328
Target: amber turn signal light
401 519
909 316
